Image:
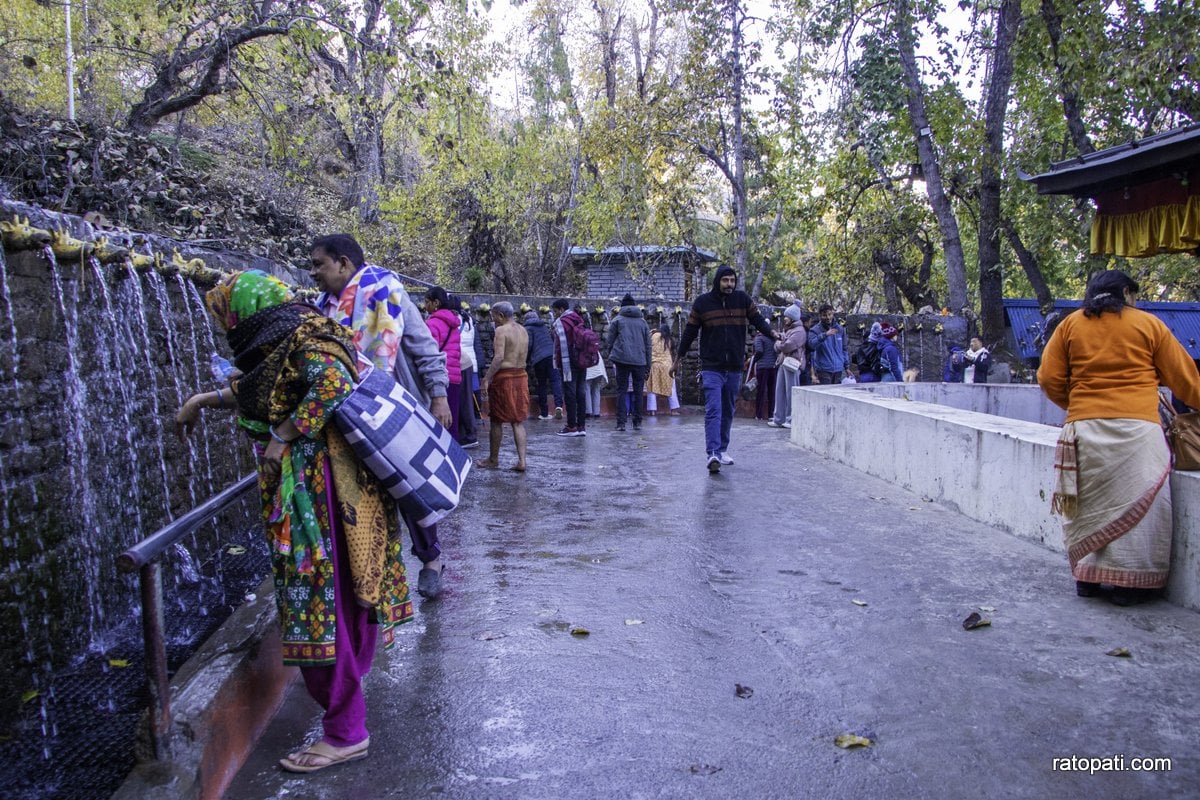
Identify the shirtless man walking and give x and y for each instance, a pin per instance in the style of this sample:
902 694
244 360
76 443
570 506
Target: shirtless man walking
506 386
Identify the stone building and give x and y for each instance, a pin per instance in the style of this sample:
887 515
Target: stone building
648 272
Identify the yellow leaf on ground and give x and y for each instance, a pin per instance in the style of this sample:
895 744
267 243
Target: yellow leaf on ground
119 663
1120 652
29 695
849 740
580 632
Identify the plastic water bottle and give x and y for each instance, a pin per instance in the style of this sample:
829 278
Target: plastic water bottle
221 369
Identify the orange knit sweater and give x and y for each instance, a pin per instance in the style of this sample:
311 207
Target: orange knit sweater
1110 366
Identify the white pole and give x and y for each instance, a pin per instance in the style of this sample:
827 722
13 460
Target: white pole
70 67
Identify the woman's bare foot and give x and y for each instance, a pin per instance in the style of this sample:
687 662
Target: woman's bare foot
487 463
519 468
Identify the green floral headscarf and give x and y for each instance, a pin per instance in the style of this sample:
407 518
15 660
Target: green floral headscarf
243 294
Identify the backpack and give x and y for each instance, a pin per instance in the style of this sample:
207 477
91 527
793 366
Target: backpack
585 347
582 343
868 358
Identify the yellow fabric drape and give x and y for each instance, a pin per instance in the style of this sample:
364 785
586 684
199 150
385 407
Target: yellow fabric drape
1171 228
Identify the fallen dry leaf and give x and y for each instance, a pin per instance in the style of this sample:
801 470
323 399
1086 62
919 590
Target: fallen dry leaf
859 602
119 663
580 632
850 740
989 609
488 636
1120 652
703 769
975 621
29 695
235 550
744 692
633 622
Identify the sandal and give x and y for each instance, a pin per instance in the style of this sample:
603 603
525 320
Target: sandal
328 754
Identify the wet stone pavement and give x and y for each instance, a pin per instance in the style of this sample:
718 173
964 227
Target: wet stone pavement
833 599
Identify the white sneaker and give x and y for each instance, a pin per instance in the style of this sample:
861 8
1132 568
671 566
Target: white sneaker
545 416
787 424
724 458
714 464
773 424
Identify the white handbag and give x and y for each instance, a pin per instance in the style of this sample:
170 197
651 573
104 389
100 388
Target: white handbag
415 459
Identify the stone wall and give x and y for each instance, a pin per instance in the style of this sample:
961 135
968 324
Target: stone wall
95 360
611 279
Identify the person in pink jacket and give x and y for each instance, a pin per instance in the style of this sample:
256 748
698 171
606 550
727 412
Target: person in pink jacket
443 324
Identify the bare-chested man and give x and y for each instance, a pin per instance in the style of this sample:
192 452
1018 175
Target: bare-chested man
506 385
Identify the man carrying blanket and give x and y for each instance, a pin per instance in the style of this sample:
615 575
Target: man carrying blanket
388 330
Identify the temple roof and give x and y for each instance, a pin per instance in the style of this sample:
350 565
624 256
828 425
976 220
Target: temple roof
1135 162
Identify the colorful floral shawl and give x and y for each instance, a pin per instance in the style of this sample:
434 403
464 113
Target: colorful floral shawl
371 306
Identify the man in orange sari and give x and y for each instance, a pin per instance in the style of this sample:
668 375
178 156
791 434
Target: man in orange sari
506 386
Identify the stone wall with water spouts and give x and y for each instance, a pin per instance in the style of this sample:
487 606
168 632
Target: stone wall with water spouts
100 342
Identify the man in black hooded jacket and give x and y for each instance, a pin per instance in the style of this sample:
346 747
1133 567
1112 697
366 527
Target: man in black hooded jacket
719 318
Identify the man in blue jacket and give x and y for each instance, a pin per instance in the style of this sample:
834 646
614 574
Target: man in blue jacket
827 339
719 318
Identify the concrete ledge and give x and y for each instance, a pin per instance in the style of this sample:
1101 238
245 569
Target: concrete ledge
1021 401
992 469
222 700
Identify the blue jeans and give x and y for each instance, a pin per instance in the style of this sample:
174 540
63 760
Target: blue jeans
720 395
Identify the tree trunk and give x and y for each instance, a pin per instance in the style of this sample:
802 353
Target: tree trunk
172 90
1033 272
991 268
1070 98
956 270
741 212
891 265
362 193
756 289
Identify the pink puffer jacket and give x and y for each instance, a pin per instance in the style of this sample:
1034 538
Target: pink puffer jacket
443 324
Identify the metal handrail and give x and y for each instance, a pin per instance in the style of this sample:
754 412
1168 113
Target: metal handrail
153 545
143 557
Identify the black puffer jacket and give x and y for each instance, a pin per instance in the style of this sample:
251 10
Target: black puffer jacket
720 320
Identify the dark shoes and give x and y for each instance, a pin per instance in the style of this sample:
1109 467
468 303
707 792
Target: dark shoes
1118 595
429 583
620 426
1124 596
637 424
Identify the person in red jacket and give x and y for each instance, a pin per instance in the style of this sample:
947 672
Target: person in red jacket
443 323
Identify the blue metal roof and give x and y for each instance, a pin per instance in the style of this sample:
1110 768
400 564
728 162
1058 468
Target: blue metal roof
1026 322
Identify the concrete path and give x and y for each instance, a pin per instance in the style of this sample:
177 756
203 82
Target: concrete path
833 598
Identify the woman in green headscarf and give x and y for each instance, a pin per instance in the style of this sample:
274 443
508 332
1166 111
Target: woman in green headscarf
339 577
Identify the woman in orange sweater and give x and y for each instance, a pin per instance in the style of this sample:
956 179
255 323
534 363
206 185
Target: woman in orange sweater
1103 365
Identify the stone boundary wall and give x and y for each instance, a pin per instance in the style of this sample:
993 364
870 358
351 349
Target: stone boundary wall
95 360
992 469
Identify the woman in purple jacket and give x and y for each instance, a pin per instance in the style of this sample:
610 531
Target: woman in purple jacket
443 322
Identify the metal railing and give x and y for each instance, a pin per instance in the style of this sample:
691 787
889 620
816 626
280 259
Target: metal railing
143 557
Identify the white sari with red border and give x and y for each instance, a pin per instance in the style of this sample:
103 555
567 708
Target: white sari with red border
1121 530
